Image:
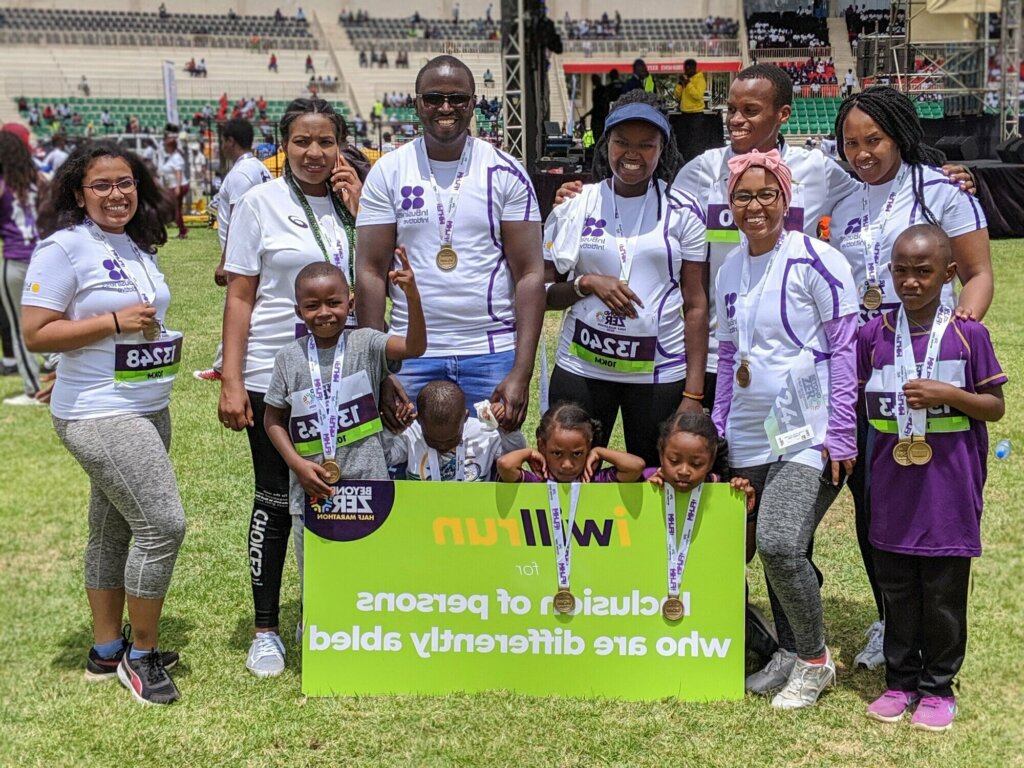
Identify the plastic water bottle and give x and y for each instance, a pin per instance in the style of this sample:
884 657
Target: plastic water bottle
1003 448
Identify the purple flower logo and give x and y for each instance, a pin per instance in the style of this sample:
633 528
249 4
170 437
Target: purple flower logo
730 305
412 198
594 227
113 271
852 227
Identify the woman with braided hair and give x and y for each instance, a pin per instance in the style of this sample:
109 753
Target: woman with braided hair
277 228
878 133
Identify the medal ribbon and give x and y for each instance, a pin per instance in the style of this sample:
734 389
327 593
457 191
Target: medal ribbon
562 541
348 223
326 402
751 303
626 258
446 220
913 421
679 551
873 245
434 462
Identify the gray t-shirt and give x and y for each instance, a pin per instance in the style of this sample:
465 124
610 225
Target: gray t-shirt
364 351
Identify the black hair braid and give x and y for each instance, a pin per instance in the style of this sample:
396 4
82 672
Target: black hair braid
897 117
671 159
569 416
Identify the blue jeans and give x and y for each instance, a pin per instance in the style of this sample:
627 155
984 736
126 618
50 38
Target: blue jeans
477 375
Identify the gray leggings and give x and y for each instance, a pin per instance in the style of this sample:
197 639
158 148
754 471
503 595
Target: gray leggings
133 494
791 501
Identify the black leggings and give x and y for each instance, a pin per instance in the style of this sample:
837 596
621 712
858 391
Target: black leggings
860 489
270 524
644 407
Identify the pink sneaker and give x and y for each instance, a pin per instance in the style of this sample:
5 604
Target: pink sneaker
890 706
934 713
210 374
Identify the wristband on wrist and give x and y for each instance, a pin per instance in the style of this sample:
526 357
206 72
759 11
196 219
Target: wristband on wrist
117 325
577 287
692 396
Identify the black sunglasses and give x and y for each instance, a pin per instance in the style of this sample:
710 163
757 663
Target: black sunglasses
437 99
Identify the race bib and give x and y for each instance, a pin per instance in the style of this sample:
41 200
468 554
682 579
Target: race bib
358 417
148 360
612 342
880 403
799 416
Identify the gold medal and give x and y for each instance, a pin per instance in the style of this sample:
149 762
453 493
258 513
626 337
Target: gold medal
447 258
152 331
919 452
901 453
565 602
873 297
743 374
672 608
333 471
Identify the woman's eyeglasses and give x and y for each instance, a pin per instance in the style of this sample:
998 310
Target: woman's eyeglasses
766 197
437 99
104 188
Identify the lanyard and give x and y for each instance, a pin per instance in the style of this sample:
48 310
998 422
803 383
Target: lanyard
326 402
100 236
348 223
873 244
621 242
913 421
446 220
562 538
679 551
747 305
434 462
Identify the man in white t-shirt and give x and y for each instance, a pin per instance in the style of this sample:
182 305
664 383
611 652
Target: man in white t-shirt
56 157
174 177
246 172
467 215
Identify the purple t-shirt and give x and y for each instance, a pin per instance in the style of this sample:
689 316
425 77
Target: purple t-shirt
606 475
932 510
17 224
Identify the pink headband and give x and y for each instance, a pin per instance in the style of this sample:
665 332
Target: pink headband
770 161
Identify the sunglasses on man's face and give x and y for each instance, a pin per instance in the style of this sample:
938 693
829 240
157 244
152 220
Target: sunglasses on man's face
437 99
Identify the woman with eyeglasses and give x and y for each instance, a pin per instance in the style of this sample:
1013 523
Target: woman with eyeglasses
94 293
277 228
626 259
785 400
879 134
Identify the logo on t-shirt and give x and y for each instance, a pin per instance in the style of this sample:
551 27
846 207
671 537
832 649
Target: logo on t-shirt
593 234
298 222
730 305
411 206
852 226
113 271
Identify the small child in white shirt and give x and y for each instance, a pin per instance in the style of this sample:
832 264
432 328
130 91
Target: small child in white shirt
445 443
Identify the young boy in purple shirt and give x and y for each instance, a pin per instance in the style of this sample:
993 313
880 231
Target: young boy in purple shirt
930 381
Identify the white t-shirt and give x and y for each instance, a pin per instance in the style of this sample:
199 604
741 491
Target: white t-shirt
55 159
482 447
170 167
270 238
818 183
808 285
958 213
73 273
469 310
658 251
246 173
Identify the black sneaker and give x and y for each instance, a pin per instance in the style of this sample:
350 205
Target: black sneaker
147 679
100 670
760 634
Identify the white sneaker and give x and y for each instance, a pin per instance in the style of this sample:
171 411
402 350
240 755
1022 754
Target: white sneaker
806 684
22 400
774 675
266 655
872 656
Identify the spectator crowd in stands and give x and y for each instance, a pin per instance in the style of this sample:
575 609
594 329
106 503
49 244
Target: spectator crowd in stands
787 30
380 60
860 21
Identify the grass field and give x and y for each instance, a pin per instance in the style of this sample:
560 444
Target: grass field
50 717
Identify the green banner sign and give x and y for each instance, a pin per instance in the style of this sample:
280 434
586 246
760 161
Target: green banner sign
416 587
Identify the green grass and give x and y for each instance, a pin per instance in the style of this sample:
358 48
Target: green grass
50 717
